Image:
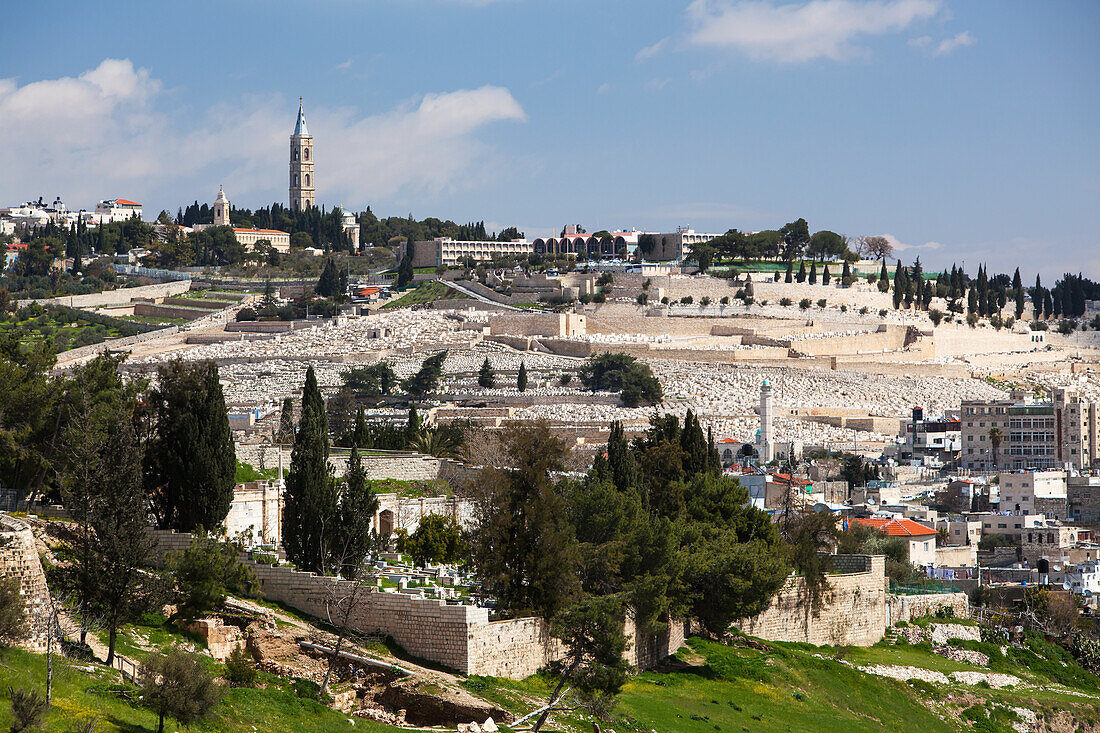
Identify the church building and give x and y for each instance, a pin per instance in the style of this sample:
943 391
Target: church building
280 241
303 193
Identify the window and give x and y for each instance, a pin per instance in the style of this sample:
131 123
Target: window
295 179
307 179
306 153
294 155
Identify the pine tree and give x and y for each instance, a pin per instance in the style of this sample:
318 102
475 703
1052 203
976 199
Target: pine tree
884 279
427 377
285 434
813 273
521 378
191 462
825 277
486 377
358 505
309 514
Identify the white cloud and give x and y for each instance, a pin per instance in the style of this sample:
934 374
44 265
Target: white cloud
799 32
109 132
651 51
603 88
948 45
900 246
343 65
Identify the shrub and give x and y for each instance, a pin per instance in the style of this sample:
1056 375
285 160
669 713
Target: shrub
206 571
246 314
848 281
565 379
725 300
804 304
935 315
642 298
599 298
872 278
1066 326
27 709
778 276
605 279
749 300
687 300
1037 326
784 302
664 300
972 319
882 313
177 685
863 311
821 302
843 308
705 301
996 321
239 670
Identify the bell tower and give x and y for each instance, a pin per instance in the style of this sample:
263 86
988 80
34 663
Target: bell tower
221 209
302 185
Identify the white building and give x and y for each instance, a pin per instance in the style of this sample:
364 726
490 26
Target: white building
1083 579
1024 492
279 241
449 252
257 511
765 438
112 210
351 228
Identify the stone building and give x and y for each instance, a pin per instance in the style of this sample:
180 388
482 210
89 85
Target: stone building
19 557
920 537
1034 492
249 238
449 252
1023 434
1083 496
303 192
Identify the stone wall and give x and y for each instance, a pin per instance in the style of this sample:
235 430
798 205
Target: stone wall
854 612
459 637
73 356
907 608
19 557
115 297
169 311
649 651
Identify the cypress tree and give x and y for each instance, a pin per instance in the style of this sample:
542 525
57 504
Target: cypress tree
285 434
1017 283
1048 304
825 277
309 513
801 271
813 273
693 443
972 301
521 378
190 463
1078 289
620 460
1037 297
412 424
486 377
358 504
899 285
884 279
789 276
360 438
1019 301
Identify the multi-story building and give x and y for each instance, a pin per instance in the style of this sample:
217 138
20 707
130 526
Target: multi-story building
938 438
249 238
1083 494
961 532
574 240
1023 434
1034 492
112 210
446 251
675 245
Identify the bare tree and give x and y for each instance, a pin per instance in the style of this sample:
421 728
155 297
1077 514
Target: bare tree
878 247
342 600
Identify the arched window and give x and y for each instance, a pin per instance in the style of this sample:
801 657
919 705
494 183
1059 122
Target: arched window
307 180
306 151
295 179
294 155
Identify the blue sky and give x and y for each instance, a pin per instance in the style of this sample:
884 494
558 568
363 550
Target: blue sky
968 131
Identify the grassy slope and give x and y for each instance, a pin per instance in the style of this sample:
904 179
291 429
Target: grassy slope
801 688
424 293
79 695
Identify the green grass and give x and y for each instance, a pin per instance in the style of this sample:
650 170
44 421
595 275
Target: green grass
424 293
248 472
78 695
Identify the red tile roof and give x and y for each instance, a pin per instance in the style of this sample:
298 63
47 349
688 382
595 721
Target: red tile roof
898 527
127 202
258 231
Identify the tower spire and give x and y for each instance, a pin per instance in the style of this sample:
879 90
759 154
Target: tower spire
302 185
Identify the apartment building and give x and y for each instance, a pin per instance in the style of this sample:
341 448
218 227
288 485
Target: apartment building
449 252
1034 492
1024 434
1083 498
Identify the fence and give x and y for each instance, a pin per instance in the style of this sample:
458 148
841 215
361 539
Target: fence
149 272
128 667
921 590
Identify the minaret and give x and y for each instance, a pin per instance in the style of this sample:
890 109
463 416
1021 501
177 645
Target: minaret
221 209
767 449
302 194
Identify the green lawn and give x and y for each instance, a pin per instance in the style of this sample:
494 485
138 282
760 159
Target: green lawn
78 695
424 293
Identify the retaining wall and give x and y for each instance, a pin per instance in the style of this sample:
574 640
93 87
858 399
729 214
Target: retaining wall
854 612
115 297
169 311
86 352
907 608
19 557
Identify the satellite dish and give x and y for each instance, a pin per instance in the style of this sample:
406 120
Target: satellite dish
1066 585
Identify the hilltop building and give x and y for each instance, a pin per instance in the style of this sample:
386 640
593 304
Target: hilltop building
303 193
111 210
447 251
280 241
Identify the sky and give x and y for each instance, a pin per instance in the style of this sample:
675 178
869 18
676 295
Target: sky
968 132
